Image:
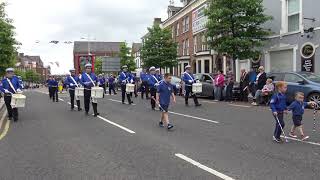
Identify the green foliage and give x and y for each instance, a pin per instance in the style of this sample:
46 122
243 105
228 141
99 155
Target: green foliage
159 48
126 58
7 41
20 73
98 66
32 76
235 27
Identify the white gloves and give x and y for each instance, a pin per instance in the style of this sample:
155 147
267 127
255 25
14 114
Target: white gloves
131 81
71 84
190 81
156 84
197 81
178 86
6 91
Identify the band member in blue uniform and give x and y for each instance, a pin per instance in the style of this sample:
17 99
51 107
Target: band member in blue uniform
54 88
111 81
158 74
144 76
102 83
89 80
72 82
21 82
10 85
49 87
189 79
153 84
125 78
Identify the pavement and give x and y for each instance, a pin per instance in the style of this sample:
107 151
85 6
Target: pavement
216 141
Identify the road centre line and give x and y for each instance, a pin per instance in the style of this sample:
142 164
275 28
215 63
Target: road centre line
117 125
306 142
237 105
203 167
6 128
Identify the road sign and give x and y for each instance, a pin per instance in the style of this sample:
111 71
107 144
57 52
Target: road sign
110 64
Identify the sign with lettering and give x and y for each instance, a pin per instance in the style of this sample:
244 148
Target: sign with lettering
308 57
199 20
255 63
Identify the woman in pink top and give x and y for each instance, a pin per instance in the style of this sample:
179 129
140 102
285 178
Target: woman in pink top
219 84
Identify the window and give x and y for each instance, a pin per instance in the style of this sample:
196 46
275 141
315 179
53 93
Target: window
293 10
203 42
186 24
206 66
292 78
177 29
199 66
183 47
187 46
206 78
195 44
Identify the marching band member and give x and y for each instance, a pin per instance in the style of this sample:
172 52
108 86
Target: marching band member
89 80
111 80
102 83
153 84
144 85
72 82
158 74
49 86
189 79
125 78
10 85
54 88
21 82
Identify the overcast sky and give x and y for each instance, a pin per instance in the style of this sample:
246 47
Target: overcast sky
69 20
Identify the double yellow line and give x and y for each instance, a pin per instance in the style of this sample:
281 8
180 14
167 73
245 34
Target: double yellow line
6 127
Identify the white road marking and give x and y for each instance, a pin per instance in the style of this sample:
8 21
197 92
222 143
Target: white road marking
237 105
119 101
117 125
203 167
210 102
306 142
194 117
61 99
3 118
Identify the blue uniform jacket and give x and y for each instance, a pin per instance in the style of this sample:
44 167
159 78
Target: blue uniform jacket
71 84
6 86
111 80
188 79
125 77
86 82
102 81
159 76
153 80
144 76
53 83
297 108
278 102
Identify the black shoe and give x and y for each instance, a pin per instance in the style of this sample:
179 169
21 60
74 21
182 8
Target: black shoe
15 119
123 103
79 109
170 126
72 109
96 115
187 104
57 101
198 105
161 124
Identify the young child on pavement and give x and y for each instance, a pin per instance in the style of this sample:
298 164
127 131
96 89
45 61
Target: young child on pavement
279 107
297 107
164 93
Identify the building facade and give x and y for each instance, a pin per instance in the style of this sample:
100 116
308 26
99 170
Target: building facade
135 52
294 44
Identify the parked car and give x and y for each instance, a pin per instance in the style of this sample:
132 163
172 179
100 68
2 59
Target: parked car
207 81
306 82
176 82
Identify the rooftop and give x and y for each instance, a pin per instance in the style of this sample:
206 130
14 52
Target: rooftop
95 46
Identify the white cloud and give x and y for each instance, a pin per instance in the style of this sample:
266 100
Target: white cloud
69 20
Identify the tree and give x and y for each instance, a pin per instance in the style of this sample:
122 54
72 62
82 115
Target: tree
7 41
126 58
159 49
98 65
235 27
20 73
32 76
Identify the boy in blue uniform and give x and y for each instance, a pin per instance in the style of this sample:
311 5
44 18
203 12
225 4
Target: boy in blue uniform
10 85
111 80
125 78
189 79
102 83
54 88
72 82
164 93
89 80
278 106
153 84
144 85
297 107
49 87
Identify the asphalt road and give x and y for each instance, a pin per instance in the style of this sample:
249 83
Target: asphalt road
215 141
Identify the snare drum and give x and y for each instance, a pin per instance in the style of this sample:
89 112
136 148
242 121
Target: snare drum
197 88
18 100
79 91
97 92
129 88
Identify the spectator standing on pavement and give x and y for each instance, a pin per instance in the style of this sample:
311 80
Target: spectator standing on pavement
252 80
10 85
219 84
189 79
229 85
164 93
278 106
111 81
266 91
261 79
244 85
144 85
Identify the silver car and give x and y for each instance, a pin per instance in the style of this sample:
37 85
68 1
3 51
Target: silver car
207 81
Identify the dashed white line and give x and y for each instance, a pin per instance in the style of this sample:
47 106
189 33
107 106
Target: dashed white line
119 101
117 125
203 167
61 99
237 105
306 142
194 117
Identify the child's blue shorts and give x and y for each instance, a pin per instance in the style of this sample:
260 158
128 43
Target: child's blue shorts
164 107
297 120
